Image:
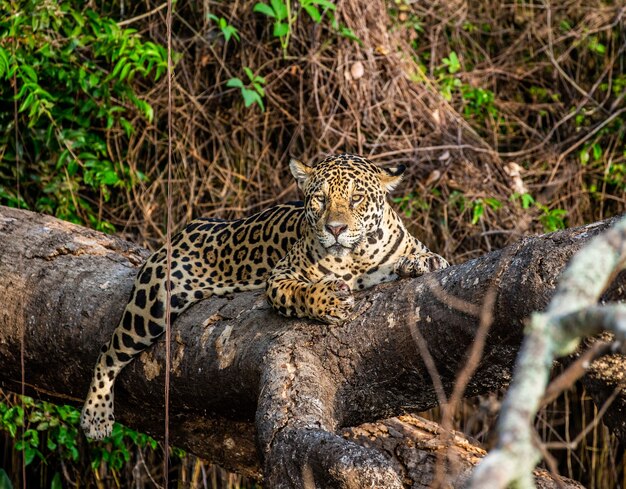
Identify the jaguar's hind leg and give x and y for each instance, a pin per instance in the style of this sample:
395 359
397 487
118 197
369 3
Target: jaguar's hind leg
142 323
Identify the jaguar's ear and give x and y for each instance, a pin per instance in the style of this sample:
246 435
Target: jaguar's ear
391 177
300 171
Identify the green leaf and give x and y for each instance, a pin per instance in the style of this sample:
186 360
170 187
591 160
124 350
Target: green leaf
477 211
349 34
313 13
250 97
145 108
29 72
72 167
125 71
527 201
565 26
597 152
230 31
4 62
264 9
29 454
51 444
56 482
280 29
28 101
259 89
280 8
452 62
5 481
495 204
109 178
584 157
128 127
234 83
94 79
118 66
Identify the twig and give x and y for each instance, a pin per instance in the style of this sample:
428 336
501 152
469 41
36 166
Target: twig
576 370
142 16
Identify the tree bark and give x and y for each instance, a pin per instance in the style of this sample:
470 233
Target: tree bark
246 381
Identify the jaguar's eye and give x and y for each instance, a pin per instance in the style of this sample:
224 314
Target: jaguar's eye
357 199
320 199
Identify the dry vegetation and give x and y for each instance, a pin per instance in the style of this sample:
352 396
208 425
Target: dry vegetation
532 90
536 105
483 101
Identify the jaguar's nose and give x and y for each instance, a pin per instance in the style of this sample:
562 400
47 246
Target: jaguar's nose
336 228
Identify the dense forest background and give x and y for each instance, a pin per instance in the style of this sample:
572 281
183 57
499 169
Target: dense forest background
509 116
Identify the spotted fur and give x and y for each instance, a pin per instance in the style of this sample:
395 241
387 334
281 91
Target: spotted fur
309 257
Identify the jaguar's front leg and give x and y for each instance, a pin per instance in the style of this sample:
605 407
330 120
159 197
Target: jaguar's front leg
329 300
418 264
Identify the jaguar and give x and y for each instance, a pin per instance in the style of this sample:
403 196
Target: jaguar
310 256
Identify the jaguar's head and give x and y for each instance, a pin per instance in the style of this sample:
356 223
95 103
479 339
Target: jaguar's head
344 198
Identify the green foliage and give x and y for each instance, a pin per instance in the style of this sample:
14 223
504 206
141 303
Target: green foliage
596 46
252 92
343 30
452 63
116 450
617 85
228 30
595 150
42 428
56 481
478 102
615 174
478 207
550 219
411 204
279 11
5 482
312 7
70 74
283 17
527 201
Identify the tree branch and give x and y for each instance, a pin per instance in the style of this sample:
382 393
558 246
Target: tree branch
240 370
571 316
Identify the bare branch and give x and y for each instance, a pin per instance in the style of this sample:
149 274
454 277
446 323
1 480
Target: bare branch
571 315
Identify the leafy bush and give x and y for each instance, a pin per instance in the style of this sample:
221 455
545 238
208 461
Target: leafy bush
284 15
42 430
67 83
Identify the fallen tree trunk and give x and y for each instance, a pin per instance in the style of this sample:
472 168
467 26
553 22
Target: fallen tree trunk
240 370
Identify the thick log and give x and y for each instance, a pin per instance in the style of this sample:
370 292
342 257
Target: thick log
240 370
